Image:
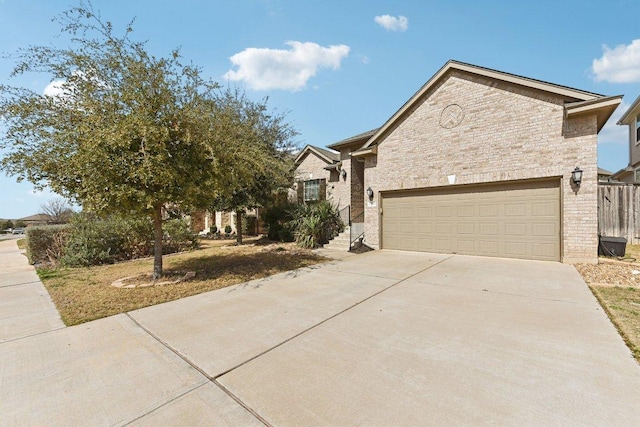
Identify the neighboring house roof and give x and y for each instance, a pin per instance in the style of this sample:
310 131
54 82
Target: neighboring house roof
326 155
36 217
622 173
629 115
361 137
578 101
604 172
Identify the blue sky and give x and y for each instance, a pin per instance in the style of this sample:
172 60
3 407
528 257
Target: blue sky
343 67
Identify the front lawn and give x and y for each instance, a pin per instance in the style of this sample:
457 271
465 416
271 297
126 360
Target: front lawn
84 294
623 307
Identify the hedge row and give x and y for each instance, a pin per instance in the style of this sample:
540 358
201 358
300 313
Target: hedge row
89 241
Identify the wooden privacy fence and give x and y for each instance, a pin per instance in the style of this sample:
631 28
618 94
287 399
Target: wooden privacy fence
619 211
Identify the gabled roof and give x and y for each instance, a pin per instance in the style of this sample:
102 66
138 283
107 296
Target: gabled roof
571 95
604 172
326 155
36 217
629 115
361 137
622 172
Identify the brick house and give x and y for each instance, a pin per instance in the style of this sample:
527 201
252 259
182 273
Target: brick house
476 162
202 221
631 118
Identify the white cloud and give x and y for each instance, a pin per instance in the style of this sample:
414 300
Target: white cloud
613 133
618 65
54 88
392 23
263 68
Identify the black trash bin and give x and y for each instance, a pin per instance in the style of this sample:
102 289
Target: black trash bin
612 246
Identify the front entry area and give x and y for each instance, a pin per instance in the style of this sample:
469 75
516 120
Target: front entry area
510 220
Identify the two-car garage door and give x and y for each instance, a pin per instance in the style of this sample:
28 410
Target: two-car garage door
519 220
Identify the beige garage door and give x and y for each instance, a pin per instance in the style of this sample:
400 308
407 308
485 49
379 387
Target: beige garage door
507 220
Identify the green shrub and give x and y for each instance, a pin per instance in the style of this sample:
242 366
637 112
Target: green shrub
275 217
94 241
286 235
249 225
314 224
46 243
178 236
227 229
213 229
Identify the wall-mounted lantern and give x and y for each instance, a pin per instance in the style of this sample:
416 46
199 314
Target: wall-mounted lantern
370 193
576 176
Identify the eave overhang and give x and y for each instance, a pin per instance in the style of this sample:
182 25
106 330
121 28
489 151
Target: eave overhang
602 107
365 152
335 166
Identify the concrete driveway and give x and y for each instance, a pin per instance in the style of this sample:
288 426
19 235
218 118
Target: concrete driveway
384 338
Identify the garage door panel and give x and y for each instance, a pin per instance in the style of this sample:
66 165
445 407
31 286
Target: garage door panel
488 228
543 209
466 211
425 245
466 228
520 220
487 247
424 227
466 246
444 228
515 229
444 212
544 230
515 249
406 227
443 245
515 209
486 210
544 250
424 212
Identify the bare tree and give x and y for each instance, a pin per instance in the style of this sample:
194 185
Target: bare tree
58 209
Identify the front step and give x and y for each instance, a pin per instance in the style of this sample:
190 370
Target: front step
341 242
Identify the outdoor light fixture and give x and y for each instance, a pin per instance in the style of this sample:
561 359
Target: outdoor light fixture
576 176
370 193
344 174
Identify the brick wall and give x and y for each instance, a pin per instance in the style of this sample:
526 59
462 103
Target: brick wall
507 132
312 167
339 189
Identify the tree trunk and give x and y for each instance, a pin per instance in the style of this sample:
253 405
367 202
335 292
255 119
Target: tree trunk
239 226
157 242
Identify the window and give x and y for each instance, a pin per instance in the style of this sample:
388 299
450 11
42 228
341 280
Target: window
638 128
312 190
636 177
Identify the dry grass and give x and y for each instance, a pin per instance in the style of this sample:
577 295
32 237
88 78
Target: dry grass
22 243
84 294
623 307
616 285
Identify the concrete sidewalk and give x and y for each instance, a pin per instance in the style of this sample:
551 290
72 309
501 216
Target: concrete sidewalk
25 306
383 338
